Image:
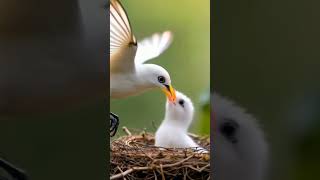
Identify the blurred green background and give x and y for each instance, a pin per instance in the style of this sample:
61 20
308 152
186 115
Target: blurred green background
187 60
266 57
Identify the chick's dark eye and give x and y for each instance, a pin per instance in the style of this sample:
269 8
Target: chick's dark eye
181 102
161 79
229 130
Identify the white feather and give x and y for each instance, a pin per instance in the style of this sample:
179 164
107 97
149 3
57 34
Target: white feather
120 29
153 46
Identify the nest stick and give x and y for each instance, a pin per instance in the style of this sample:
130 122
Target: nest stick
135 156
123 174
162 175
126 130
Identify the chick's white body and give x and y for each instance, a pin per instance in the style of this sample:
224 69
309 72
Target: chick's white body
173 131
171 136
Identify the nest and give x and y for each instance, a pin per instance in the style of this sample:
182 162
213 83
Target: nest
135 157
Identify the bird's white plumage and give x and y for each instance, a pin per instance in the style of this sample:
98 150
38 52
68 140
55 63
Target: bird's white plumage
173 131
128 75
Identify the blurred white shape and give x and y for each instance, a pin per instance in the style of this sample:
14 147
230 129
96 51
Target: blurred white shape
240 149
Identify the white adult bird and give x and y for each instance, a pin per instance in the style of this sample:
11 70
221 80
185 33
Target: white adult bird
173 131
239 146
128 74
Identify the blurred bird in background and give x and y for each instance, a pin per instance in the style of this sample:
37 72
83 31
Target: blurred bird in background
129 75
240 148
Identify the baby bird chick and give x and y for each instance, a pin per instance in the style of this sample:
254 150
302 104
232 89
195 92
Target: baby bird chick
173 131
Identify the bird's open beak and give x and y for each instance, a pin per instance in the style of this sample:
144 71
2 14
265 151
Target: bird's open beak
170 93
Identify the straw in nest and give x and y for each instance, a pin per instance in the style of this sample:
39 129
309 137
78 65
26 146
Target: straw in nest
135 157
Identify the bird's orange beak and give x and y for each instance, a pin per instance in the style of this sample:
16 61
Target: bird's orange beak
170 93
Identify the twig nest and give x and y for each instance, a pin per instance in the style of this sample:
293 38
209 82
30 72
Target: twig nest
135 157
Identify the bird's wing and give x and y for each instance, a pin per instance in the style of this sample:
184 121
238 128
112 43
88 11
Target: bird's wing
123 44
153 46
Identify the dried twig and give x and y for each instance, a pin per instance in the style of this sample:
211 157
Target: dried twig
135 157
155 175
161 170
126 130
123 174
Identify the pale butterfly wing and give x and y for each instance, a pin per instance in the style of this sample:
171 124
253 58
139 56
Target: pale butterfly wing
153 46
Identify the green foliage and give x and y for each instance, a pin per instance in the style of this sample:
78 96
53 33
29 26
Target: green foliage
203 127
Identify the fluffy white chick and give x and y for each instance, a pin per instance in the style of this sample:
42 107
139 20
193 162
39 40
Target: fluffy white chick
173 131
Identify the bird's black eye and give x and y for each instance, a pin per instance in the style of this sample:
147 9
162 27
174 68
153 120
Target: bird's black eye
161 79
181 102
229 130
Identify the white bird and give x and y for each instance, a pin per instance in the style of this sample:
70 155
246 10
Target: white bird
239 145
129 75
173 131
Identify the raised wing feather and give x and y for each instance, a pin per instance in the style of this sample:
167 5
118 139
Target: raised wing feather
123 45
153 46
120 29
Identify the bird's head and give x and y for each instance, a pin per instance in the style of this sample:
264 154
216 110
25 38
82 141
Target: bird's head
180 109
157 76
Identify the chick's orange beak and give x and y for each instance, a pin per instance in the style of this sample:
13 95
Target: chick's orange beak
169 92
